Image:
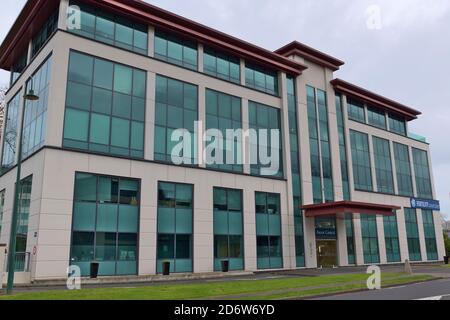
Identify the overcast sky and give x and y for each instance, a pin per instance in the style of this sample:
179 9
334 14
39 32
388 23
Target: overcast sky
399 49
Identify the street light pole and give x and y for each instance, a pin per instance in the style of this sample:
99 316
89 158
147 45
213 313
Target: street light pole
30 95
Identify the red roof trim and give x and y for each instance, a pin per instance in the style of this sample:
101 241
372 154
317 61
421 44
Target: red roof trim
333 208
374 99
153 15
311 54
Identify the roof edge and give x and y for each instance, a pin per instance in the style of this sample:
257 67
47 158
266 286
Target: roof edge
311 54
374 99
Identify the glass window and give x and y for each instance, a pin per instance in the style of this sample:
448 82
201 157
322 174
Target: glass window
175 226
176 108
105 224
228 228
35 117
262 117
23 214
383 165
356 111
342 148
221 66
403 168
370 238
391 239
362 171
261 79
111 29
430 235
10 132
175 50
376 117
268 230
18 67
350 235
422 173
223 112
397 124
412 233
321 167
105 113
46 31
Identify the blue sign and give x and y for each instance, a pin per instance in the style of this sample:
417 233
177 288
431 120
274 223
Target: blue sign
425 204
326 233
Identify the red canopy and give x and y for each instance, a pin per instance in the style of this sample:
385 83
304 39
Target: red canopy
333 208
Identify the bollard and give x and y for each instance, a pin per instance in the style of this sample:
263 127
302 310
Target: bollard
408 268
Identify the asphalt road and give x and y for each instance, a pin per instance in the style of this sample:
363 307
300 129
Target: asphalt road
432 290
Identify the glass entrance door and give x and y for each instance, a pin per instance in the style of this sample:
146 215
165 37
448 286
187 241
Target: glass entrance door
326 253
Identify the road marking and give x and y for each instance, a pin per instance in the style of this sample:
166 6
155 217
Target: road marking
430 298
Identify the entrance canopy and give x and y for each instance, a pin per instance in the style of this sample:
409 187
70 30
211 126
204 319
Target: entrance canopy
334 208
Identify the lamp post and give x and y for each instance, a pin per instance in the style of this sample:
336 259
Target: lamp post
29 96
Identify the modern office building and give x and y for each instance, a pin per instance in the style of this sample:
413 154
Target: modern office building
99 184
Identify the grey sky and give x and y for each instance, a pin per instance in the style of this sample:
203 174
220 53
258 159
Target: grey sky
406 60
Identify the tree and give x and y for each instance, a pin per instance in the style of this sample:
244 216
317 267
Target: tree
447 243
3 90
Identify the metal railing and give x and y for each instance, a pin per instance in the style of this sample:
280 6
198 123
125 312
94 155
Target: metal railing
22 263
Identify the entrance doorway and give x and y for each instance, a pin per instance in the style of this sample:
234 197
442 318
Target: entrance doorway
326 253
326 242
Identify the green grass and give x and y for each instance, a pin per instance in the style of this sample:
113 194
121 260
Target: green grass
305 285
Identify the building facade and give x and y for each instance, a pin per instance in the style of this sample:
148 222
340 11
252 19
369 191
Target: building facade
116 78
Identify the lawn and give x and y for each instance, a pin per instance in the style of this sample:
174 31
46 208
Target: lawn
245 289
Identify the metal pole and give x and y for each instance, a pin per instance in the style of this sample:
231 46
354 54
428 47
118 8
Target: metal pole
15 215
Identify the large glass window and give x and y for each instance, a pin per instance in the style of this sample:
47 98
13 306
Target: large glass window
105 224
295 171
105 107
18 67
342 148
10 132
268 231
430 235
176 108
356 111
176 50
262 117
412 233
383 165
391 238
47 30
350 235
23 214
228 228
223 112
397 124
370 238
221 66
362 172
175 226
422 172
403 168
321 167
35 123
111 29
376 117
261 79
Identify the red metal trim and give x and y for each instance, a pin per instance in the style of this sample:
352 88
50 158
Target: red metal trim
333 208
374 99
144 12
311 54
